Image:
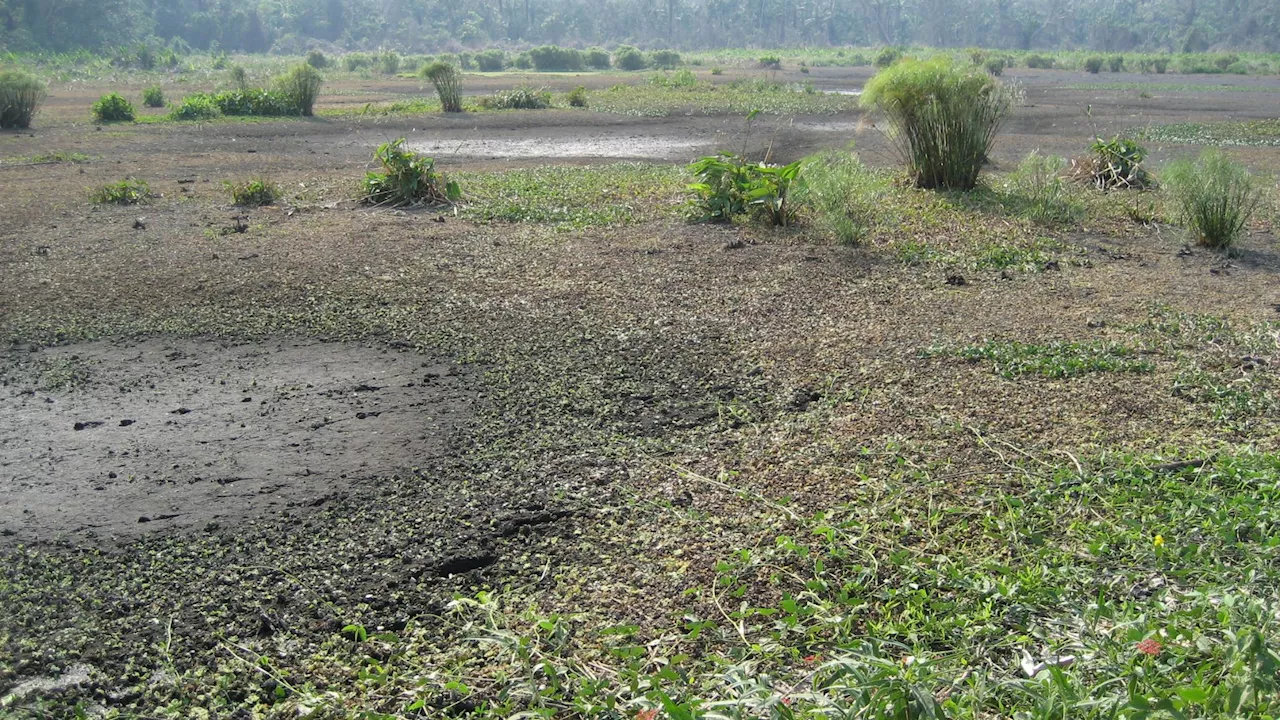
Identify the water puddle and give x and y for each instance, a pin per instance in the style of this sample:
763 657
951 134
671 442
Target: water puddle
643 147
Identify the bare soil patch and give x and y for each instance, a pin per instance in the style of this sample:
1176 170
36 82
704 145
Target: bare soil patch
109 440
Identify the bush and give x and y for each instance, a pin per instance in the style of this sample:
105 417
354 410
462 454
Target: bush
389 63
680 79
518 98
1117 163
887 57
197 106
629 58
255 102
1215 197
1222 62
301 86
1237 68
665 59
577 97
153 97
804 69
493 60
717 71
597 59
555 58
447 82
995 66
1038 186
945 118
356 61
125 192
841 193
407 179
253 193
771 62
1116 63
113 107
240 78
1039 62
1161 64
466 61
20 96
523 61
317 59
1094 64
728 185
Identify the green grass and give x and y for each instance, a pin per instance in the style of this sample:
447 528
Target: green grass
1052 360
1221 134
573 196
58 156
125 192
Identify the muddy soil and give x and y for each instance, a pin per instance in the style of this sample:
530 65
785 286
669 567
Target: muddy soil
106 441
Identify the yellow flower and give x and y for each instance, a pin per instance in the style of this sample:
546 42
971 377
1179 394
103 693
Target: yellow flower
1159 541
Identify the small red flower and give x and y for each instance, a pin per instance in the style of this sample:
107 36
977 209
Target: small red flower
1150 646
786 701
810 659
647 715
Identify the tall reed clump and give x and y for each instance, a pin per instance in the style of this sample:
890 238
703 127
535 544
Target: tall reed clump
945 117
20 96
448 84
1215 197
301 85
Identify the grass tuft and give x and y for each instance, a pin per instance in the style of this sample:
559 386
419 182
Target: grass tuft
253 193
1215 197
125 192
21 94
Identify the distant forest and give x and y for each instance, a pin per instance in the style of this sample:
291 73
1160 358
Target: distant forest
433 25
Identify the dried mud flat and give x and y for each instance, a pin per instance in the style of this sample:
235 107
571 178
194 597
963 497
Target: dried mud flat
105 441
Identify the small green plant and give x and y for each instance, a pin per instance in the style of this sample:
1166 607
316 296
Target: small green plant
1094 64
945 117
1116 63
1215 197
301 85
125 192
717 71
679 79
153 97
887 56
1039 188
1237 68
317 59
522 97
727 185
20 96
389 63
197 106
1053 360
665 59
493 60
239 78
771 62
1117 163
1040 62
841 193
253 193
113 107
577 97
995 66
407 178
629 58
447 82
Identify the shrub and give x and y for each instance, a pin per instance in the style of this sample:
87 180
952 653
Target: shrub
518 98
113 107
493 60
680 79
1038 186
841 193
804 69
317 59
577 97
255 102
389 63
240 78
20 96
1161 64
1222 62
629 58
1039 62
1215 197
666 59
728 185
301 86
466 61
356 61
717 71
555 58
597 59
887 57
447 82
1117 163
407 179
153 97
253 193
1237 68
1094 64
197 106
771 62
945 117
1116 63
523 61
995 66
125 192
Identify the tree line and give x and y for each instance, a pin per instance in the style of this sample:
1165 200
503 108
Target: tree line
436 25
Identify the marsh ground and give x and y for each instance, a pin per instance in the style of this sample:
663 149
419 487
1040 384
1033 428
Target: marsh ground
637 398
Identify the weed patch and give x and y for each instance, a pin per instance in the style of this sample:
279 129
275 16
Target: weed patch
253 193
113 107
125 192
573 197
1215 197
1052 360
1253 133
407 178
